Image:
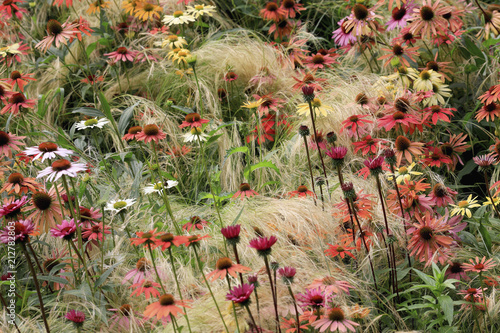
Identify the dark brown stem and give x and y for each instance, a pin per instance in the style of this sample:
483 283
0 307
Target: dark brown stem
38 265
309 162
252 319
235 250
349 201
37 286
341 181
275 301
296 309
317 146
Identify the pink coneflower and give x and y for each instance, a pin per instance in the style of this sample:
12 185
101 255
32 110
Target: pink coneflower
273 12
263 244
400 16
488 111
244 191
354 124
342 36
492 95
47 210
287 273
479 266
62 167
122 54
320 61
66 230
435 157
405 120
241 293
195 222
338 250
96 232
20 79
337 154
22 229
428 242
124 315
268 103
456 271
485 161
224 267
77 317
472 295
166 240
330 285
147 287
9 142
436 113
17 102
142 271
56 33
403 146
374 164
195 239
313 298
13 208
18 184
132 133
442 195
368 145
429 19
47 150
301 192
193 120
150 133
166 306
335 320
230 76
231 233
362 20
400 52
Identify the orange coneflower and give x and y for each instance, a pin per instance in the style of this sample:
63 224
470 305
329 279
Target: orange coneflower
338 250
166 240
225 266
245 191
455 145
301 192
20 79
407 148
166 306
146 238
147 287
150 133
273 12
488 111
18 184
147 11
9 142
47 211
96 6
479 266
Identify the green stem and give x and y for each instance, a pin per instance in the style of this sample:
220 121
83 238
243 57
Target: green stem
156 270
177 284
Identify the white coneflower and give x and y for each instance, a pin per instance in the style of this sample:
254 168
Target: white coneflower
119 205
194 135
178 17
200 10
91 123
158 187
61 167
47 150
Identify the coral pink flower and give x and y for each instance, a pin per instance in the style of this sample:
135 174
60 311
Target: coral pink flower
166 306
362 20
66 230
146 238
335 321
147 287
9 142
166 240
442 195
403 146
9 8
405 120
454 147
224 267
435 157
368 145
312 298
18 184
22 230
291 8
273 12
330 285
17 101
436 113
230 76
57 33
132 133
195 222
268 103
245 191
150 133
308 80
456 271
20 79
320 61
335 250
240 293
77 317
479 266
193 120
429 19
122 54
488 111
92 79
301 192
491 96
399 52
96 232
354 123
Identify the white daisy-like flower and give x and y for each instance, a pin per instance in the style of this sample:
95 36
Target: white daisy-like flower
91 123
178 17
425 80
61 167
200 10
47 150
194 135
119 205
158 187
404 173
440 93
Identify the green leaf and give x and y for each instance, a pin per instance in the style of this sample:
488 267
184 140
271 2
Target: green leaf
426 278
238 216
183 109
213 138
263 164
446 304
486 237
105 275
89 112
125 118
104 41
229 152
105 106
91 48
51 278
395 61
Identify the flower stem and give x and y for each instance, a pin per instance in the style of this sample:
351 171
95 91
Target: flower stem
317 145
296 309
310 168
37 286
266 261
177 283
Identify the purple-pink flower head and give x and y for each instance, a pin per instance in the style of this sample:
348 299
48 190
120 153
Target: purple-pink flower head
232 233
312 298
77 317
11 210
253 279
308 90
241 294
66 230
337 154
263 245
375 164
19 231
287 274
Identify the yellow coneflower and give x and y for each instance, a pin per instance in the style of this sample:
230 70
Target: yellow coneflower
146 11
172 41
318 107
180 56
182 72
96 6
253 104
130 5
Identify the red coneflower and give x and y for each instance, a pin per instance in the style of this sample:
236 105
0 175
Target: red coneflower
195 222
273 12
150 133
193 120
20 79
18 184
405 120
435 157
178 151
77 317
335 250
314 298
195 239
17 102
132 133
367 145
225 266
436 113
167 240
301 192
92 79
66 230
330 285
456 271
230 76
146 238
492 95
488 111
479 266
268 103
244 191
166 306
308 80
